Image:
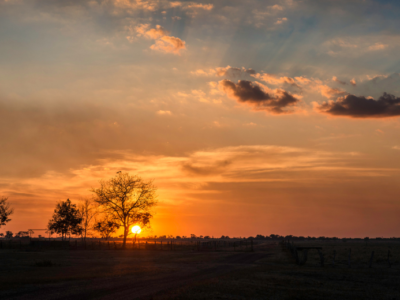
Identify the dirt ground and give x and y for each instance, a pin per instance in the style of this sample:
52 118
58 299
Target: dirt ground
269 272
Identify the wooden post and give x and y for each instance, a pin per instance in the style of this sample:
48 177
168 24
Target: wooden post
390 264
108 243
321 256
349 258
145 247
115 246
334 257
370 260
161 245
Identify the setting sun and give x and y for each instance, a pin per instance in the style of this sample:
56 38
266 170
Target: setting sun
136 229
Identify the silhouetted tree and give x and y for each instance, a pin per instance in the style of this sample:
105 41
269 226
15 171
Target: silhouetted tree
106 227
9 235
127 199
66 219
5 211
22 234
88 211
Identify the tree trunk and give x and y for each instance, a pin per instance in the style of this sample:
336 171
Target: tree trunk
125 235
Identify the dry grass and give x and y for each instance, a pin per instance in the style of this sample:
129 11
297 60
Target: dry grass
213 275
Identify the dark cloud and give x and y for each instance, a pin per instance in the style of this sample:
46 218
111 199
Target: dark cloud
215 168
250 93
361 107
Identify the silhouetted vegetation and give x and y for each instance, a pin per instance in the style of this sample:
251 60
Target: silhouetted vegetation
88 211
66 219
127 200
106 227
5 211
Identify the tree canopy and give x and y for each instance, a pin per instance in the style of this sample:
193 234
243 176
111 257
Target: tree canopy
5 211
66 219
127 200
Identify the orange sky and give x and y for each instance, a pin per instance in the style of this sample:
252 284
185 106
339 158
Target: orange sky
264 117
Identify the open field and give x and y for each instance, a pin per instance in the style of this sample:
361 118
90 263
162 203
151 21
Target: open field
269 272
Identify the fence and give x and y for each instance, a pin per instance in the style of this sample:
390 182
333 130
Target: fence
300 255
155 245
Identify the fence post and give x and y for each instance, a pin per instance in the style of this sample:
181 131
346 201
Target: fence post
349 258
161 245
115 246
108 244
371 259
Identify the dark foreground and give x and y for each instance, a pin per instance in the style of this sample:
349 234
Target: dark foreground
269 272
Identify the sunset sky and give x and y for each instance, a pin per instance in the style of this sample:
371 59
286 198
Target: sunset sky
252 117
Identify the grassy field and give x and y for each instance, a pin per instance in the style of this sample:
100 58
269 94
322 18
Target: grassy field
270 272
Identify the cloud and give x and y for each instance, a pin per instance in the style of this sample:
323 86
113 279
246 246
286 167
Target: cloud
362 45
274 79
329 92
334 78
250 93
169 44
377 47
199 6
353 82
361 107
280 21
153 33
163 42
164 112
136 4
211 168
227 71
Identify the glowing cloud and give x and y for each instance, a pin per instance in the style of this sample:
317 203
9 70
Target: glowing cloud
163 42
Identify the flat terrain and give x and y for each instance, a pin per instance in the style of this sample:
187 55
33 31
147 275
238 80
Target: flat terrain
270 272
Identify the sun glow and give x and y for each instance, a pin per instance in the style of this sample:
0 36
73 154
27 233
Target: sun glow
136 229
